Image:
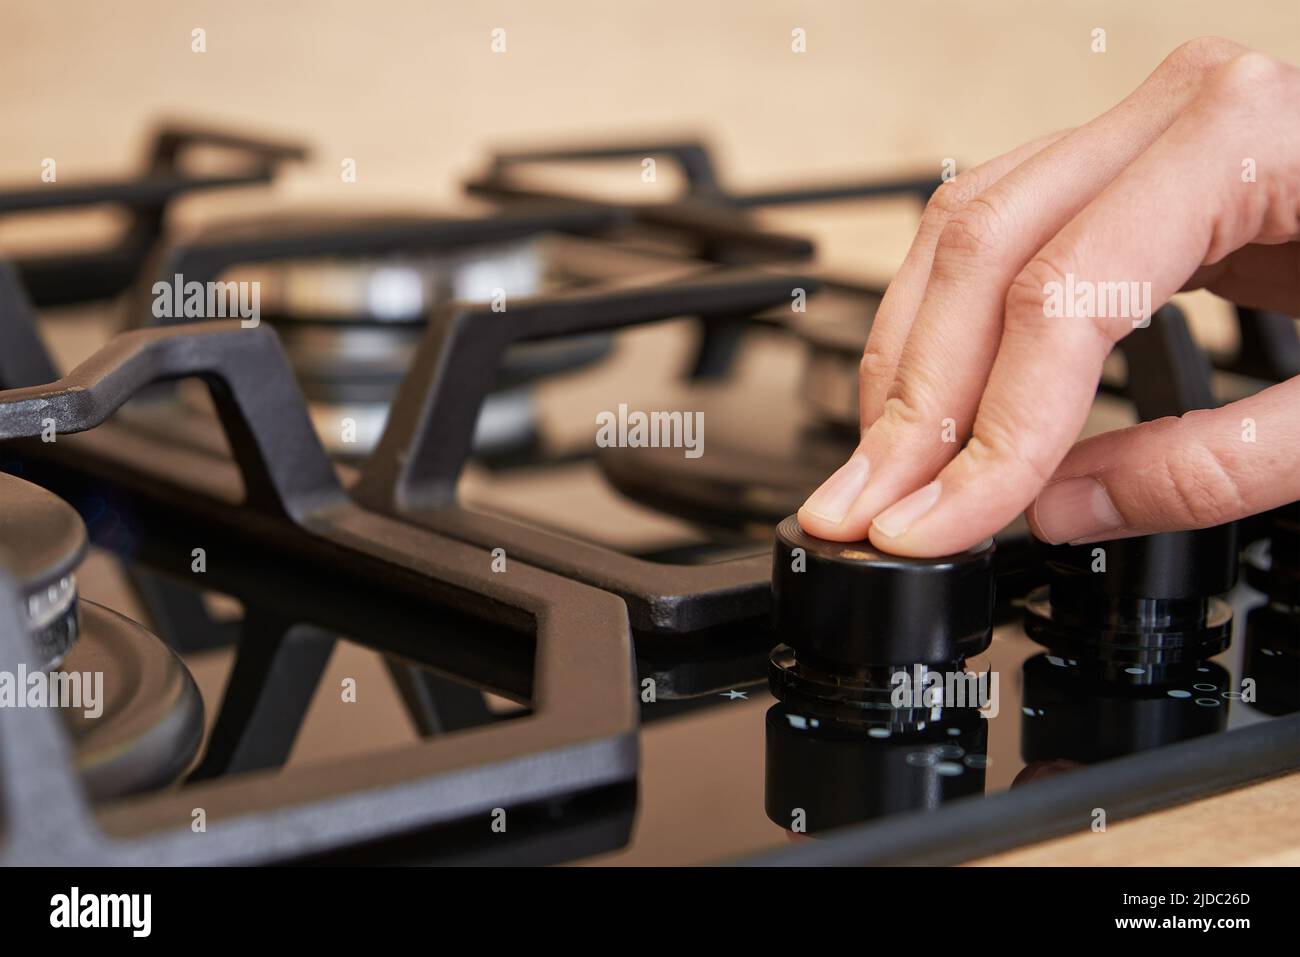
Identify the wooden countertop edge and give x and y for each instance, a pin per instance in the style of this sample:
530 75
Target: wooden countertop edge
1254 825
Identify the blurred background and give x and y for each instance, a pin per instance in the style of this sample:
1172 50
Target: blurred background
414 97
413 91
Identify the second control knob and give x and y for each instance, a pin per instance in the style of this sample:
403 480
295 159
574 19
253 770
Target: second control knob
1137 607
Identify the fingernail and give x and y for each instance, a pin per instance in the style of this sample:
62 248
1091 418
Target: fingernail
832 501
903 514
1075 508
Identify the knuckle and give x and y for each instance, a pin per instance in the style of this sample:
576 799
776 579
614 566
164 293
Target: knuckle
948 200
1026 299
875 365
1199 486
1036 302
974 232
1201 55
996 448
902 410
1249 77
951 196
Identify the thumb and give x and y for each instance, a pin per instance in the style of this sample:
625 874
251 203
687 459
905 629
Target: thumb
1204 468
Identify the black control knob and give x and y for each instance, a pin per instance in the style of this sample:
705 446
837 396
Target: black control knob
1138 605
850 616
849 605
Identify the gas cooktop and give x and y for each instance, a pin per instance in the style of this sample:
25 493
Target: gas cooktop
417 537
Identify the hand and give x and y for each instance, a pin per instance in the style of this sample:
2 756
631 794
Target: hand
969 342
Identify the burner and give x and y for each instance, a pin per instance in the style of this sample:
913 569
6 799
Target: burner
351 330
400 287
146 721
45 541
151 724
351 295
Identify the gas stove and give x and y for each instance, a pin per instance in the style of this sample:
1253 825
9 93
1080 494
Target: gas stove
472 543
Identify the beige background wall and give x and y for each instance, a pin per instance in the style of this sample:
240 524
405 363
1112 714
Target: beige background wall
414 93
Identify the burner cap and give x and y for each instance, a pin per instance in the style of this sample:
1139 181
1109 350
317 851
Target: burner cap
151 723
43 536
43 539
